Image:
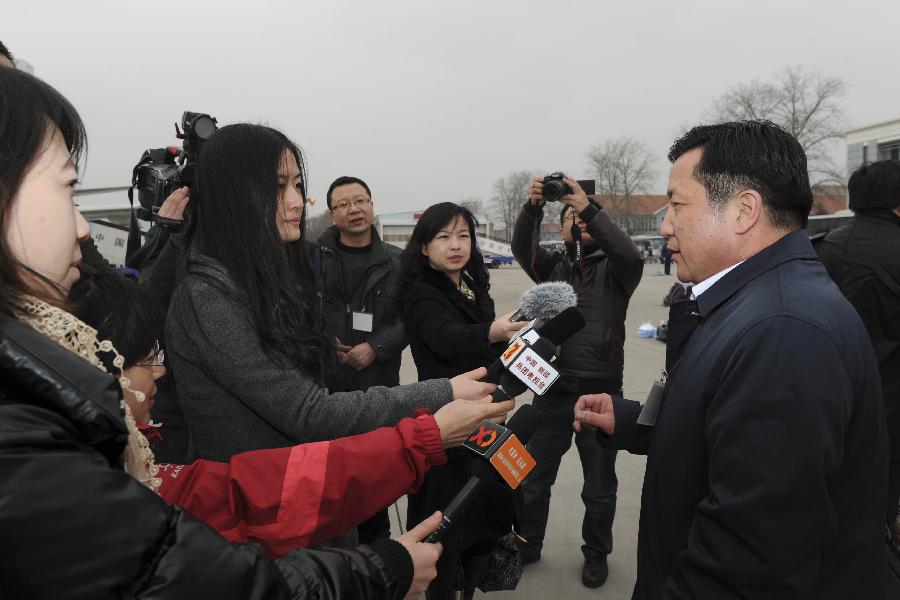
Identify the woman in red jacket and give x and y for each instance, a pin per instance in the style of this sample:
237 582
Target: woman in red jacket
282 498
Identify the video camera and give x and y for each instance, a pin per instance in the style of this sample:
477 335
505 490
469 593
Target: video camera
555 188
161 171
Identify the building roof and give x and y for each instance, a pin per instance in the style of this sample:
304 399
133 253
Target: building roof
873 126
641 204
879 132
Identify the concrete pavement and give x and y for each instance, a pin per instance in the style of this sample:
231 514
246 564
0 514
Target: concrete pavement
558 574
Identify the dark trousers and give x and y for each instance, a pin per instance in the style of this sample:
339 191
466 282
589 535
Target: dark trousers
548 445
667 265
447 582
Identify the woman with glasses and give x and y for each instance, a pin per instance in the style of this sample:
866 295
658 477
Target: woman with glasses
78 512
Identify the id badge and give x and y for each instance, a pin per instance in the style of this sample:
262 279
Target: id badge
651 407
362 322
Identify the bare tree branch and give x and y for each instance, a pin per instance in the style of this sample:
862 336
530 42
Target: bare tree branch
510 194
809 105
623 168
475 205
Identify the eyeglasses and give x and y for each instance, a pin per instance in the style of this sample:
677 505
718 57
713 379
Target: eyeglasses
350 203
159 357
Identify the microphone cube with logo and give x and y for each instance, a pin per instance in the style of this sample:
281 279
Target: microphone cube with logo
505 452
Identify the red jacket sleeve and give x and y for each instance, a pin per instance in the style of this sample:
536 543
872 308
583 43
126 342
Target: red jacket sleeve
285 498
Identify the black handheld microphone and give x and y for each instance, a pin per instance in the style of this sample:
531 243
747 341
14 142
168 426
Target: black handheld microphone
543 302
550 335
504 457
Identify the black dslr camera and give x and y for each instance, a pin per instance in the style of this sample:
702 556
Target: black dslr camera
555 188
161 171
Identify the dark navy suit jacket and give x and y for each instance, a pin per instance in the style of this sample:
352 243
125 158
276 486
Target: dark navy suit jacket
767 467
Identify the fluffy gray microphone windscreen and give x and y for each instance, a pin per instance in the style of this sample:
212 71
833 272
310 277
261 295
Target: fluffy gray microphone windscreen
546 300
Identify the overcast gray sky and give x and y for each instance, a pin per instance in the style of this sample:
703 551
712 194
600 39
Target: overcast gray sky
433 101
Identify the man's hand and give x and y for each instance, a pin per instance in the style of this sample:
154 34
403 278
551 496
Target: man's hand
342 350
534 192
577 199
504 328
424 556
361 356
173 207
595 410
467 386
458 419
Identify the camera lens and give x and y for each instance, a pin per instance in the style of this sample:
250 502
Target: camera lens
553 190
204 126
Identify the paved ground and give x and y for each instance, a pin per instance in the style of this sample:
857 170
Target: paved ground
558 574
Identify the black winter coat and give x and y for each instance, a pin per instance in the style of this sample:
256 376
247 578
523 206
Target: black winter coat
448 335
376 293
74 525
863 258
605 281
767 466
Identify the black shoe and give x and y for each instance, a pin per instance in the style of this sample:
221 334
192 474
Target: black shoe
594 572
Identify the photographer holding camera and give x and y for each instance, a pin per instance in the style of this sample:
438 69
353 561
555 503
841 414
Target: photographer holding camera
604 267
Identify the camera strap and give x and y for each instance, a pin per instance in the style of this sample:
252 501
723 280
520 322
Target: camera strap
134 231
576 261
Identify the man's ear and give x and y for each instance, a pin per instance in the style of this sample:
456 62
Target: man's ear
747 209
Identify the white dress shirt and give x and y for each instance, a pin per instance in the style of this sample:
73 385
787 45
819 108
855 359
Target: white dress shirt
710 281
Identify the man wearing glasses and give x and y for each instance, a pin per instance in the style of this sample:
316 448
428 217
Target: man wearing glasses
359 278
604 267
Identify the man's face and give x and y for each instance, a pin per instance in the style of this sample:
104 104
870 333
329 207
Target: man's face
351 209
697 233
570 217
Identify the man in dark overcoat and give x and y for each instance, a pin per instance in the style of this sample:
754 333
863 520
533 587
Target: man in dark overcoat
767 452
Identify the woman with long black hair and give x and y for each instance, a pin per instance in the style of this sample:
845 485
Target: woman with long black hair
247 359
450 320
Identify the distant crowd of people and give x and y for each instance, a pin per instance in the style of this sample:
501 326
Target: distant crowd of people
230 423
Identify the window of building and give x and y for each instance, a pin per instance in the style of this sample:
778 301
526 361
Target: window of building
889 150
